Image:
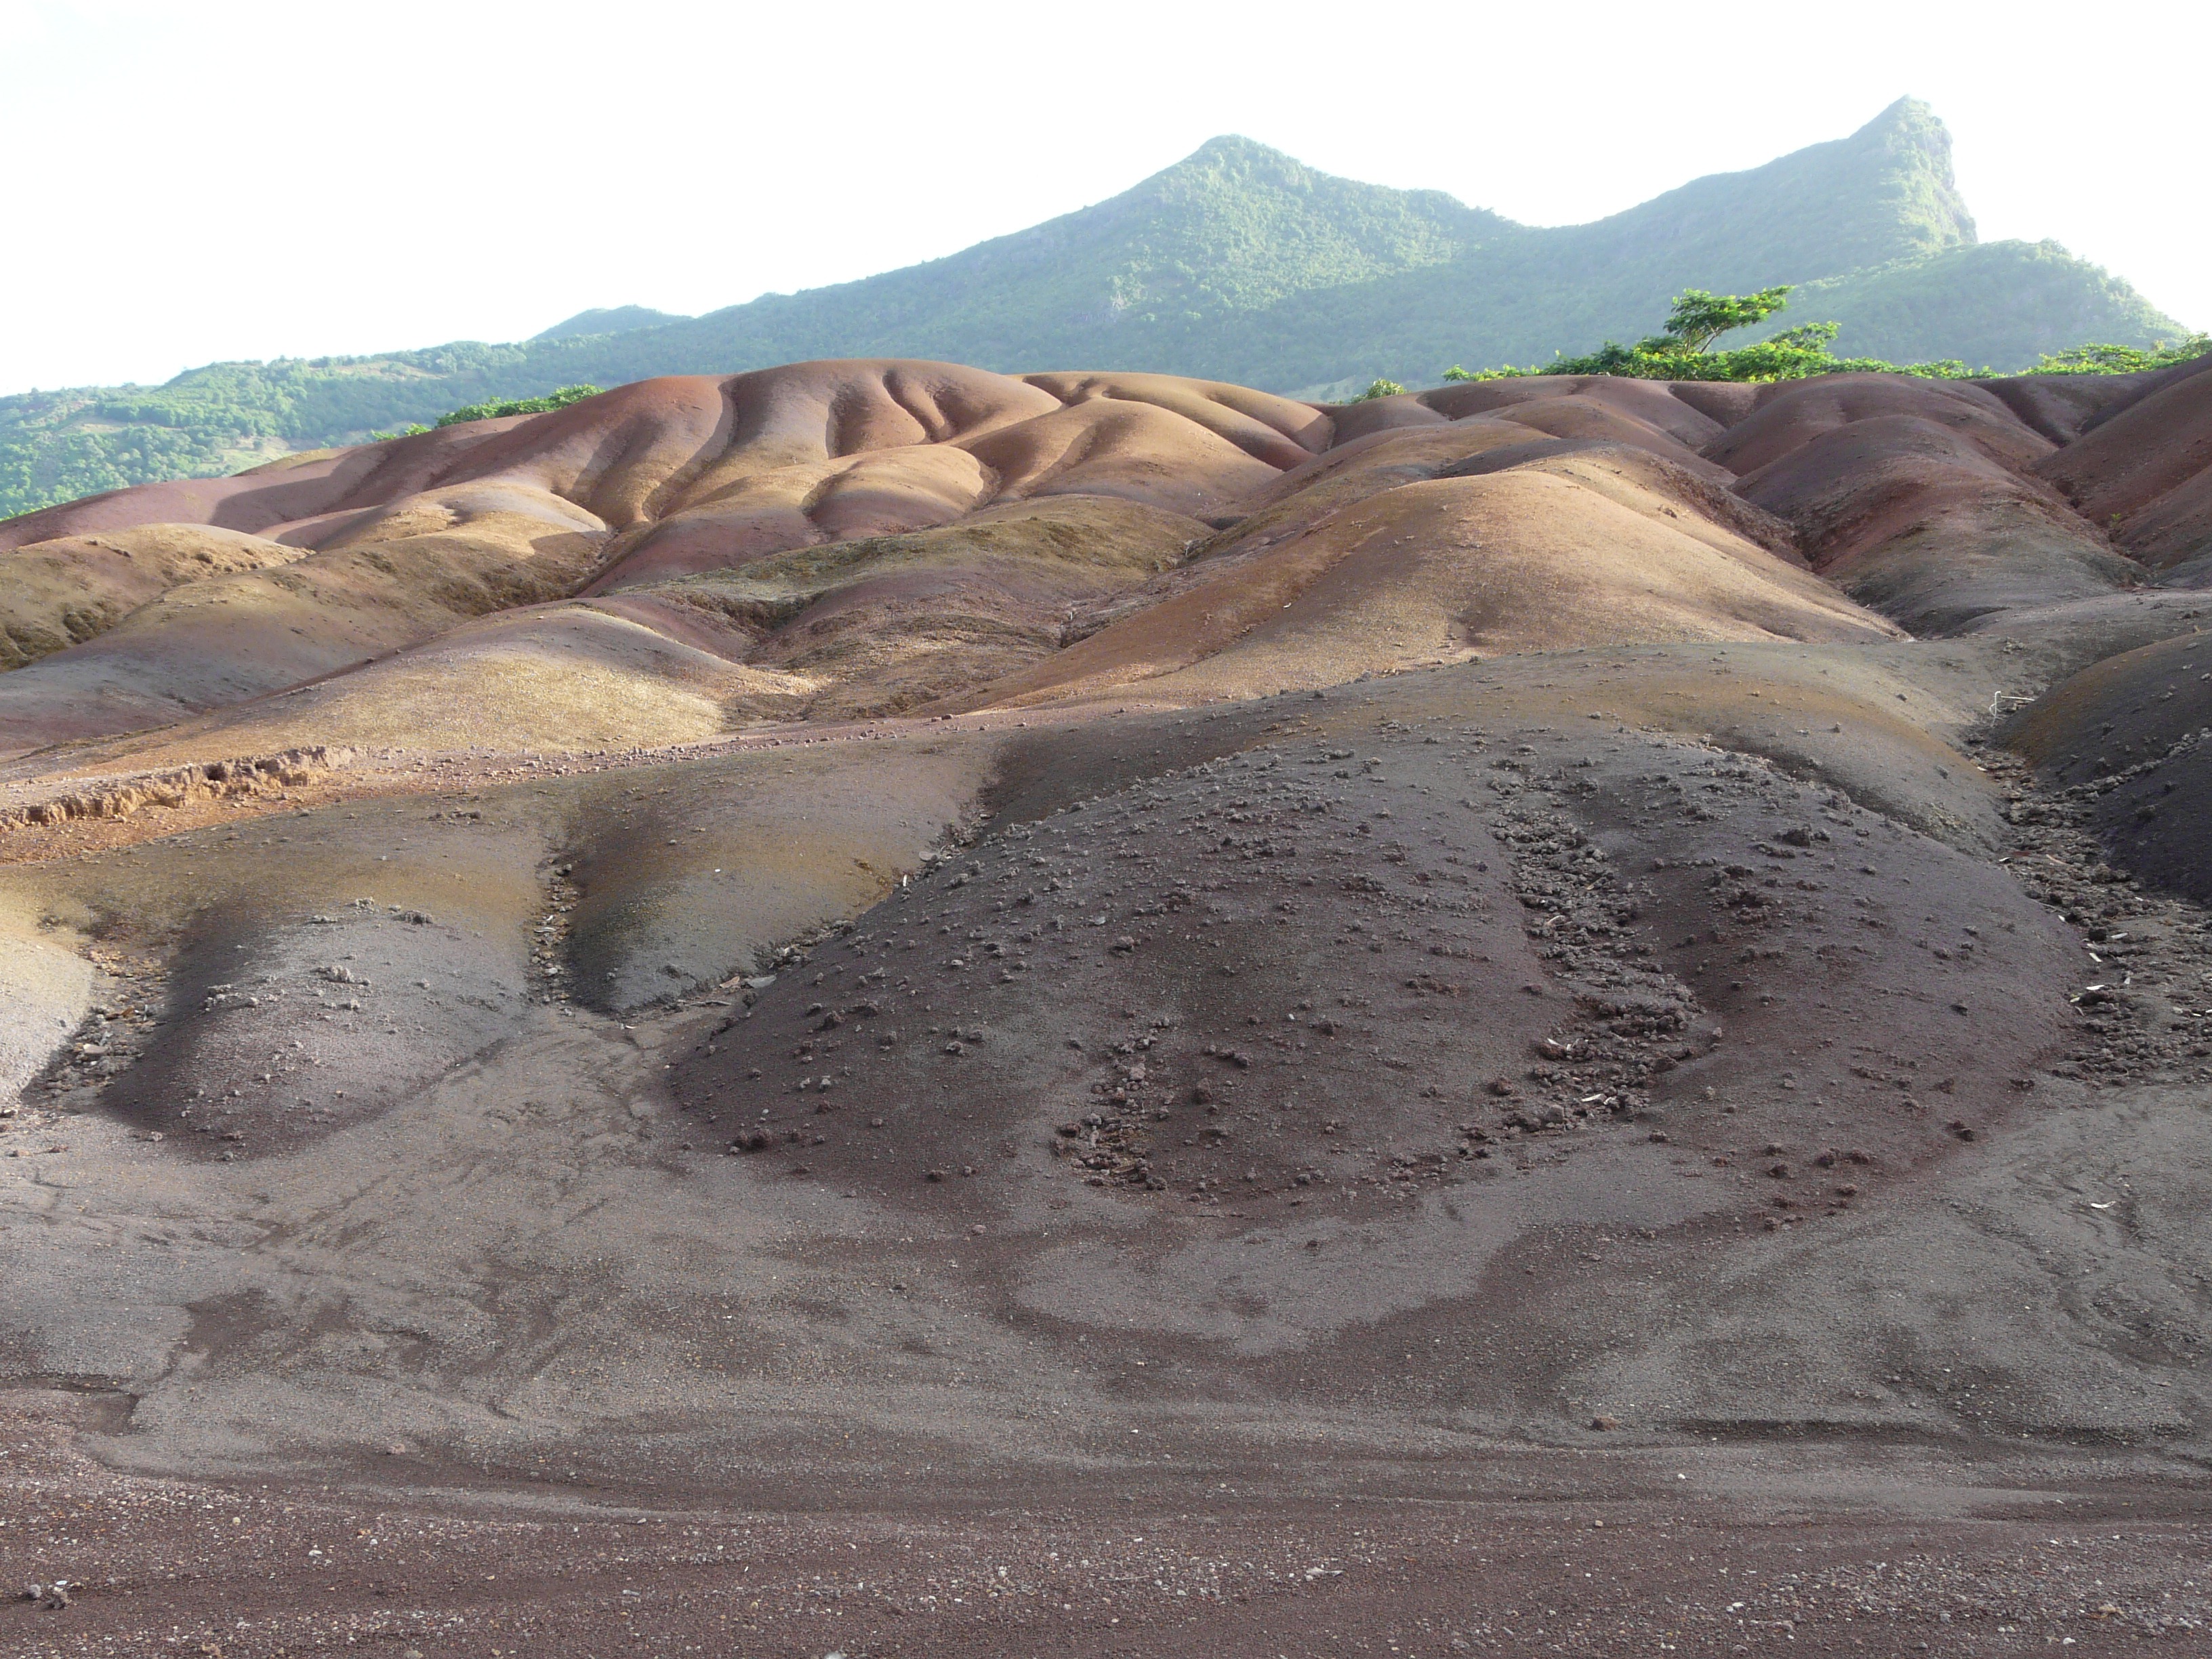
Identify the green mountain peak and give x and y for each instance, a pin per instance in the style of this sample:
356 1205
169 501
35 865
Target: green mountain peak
608 319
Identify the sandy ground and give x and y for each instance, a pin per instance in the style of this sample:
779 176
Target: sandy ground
1876 1549
1273 1130
531 1325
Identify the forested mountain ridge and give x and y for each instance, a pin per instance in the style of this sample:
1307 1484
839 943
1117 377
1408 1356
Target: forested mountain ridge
1239 264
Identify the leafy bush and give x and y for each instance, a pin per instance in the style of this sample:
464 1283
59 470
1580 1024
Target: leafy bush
1380 388
498 406
2122 359
1697 319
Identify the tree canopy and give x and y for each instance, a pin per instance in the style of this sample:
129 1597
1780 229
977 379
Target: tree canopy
1698 318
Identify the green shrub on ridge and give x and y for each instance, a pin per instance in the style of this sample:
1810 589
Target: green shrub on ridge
496 407
1698 318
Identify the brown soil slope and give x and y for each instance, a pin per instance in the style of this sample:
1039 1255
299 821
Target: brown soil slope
59 593
676 479
2129 737
877 934
229 638
1921 499
856 628
2145 471
1547 556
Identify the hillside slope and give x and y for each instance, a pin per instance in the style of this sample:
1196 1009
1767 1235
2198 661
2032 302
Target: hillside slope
1237 263
877 926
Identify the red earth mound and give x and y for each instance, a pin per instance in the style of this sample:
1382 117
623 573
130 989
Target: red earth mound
2145 471
1792 413
1926 499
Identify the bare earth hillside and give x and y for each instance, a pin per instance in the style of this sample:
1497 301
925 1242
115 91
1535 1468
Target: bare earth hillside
880 1008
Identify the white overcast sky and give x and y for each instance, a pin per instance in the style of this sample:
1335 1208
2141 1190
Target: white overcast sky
187 182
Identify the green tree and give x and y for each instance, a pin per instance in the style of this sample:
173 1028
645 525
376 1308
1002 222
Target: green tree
1698 318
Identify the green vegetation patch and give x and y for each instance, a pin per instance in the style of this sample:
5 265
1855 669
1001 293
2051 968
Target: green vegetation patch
496 407
1684 351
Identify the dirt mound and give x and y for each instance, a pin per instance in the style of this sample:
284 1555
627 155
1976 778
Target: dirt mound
676 478
272 983
1354 471
2172 534
549 679
226 639
1643 413
1384 982
2145 473
837 462
884 625
1916 520
2062 407
2145 447
1674 410
1110 447
856 630
1635 476
2130 738
816 450
1570 555
1280 431
1591 421
249 503
59 593
1927 500
2080 632
775 509
1790 414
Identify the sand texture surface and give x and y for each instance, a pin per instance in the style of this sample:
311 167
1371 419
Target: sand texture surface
878 1008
